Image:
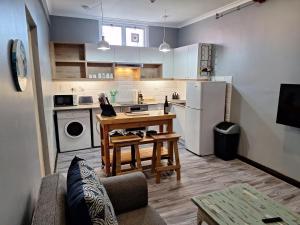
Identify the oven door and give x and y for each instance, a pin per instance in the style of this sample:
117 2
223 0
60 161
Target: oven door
74 129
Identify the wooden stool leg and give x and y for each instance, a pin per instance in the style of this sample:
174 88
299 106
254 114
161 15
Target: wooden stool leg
118 160
138 156
177 160
158 161
133 154
114 162
154 157
170 153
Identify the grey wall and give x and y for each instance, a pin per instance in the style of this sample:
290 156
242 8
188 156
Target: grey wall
69 29
156 36
19 164
258 46
77 30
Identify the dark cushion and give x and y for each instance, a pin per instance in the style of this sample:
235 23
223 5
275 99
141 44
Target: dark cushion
143 216
87 199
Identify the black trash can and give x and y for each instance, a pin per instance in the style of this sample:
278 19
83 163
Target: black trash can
226 140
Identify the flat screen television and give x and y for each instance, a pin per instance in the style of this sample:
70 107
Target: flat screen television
289 105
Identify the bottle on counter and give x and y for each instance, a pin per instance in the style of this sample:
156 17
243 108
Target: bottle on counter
140 98
166 106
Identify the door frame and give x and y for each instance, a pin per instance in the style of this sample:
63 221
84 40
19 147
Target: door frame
41 127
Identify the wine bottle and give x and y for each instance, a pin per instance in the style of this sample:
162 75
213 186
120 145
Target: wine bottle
166 106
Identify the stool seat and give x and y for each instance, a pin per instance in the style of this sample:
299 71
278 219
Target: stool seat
159 139
125 140
165 137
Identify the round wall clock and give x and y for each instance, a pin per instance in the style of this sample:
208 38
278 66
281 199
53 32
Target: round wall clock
19 65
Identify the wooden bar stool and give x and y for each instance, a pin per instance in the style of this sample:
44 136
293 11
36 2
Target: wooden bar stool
125 141
157 167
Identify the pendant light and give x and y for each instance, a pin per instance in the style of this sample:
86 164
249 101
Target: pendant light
164 46
102 45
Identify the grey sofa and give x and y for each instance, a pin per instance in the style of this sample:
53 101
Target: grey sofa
128 194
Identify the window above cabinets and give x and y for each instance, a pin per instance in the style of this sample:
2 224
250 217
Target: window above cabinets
112 34
125 34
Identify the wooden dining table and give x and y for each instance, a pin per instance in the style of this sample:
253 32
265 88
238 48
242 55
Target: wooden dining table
131 120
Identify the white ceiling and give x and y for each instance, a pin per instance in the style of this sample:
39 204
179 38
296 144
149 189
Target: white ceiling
179 11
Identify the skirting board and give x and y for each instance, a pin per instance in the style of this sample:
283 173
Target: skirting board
270 171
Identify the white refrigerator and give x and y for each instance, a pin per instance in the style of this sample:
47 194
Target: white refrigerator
205 107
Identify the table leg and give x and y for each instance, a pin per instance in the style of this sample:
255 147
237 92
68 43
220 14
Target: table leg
102 146
199 218
106 149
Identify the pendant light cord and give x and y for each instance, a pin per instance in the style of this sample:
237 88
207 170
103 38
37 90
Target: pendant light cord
101 6
101 11
165 17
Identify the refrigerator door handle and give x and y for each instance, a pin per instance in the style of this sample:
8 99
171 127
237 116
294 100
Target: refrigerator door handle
188 107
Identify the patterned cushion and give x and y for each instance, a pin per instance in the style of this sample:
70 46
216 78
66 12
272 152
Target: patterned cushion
87 199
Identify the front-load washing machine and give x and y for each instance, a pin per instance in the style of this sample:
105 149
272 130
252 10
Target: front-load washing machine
74 130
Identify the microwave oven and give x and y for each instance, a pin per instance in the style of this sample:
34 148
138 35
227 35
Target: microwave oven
65 100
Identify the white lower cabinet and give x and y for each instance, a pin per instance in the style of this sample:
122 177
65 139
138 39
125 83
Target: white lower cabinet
179 121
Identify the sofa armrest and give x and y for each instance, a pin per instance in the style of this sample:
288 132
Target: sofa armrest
127 192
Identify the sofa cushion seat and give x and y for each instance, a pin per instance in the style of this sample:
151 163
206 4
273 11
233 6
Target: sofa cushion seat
143 216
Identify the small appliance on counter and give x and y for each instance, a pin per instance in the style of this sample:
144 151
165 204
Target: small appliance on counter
65 100
175 95
85 100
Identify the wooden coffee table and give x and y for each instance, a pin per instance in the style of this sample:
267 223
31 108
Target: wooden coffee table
241 205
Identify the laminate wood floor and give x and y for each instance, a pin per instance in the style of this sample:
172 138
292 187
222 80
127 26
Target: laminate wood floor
199 175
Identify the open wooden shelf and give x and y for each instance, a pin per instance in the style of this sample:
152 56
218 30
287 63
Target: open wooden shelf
100 70
68 61
64 51
127 73
70 70
151 71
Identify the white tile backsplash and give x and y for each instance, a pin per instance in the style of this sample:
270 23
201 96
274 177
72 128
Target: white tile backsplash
150 89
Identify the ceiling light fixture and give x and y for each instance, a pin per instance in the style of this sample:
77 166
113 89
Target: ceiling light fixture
164 46
102 44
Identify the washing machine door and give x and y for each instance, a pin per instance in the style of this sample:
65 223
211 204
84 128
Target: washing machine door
74 129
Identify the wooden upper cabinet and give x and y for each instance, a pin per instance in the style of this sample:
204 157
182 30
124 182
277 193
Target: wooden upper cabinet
68 61
85 61
69 52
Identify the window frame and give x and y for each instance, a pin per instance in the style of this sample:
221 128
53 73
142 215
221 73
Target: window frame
123 29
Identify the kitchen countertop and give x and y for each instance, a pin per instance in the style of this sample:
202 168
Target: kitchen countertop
96 105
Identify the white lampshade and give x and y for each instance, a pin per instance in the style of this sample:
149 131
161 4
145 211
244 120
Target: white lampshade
164 47
103 45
